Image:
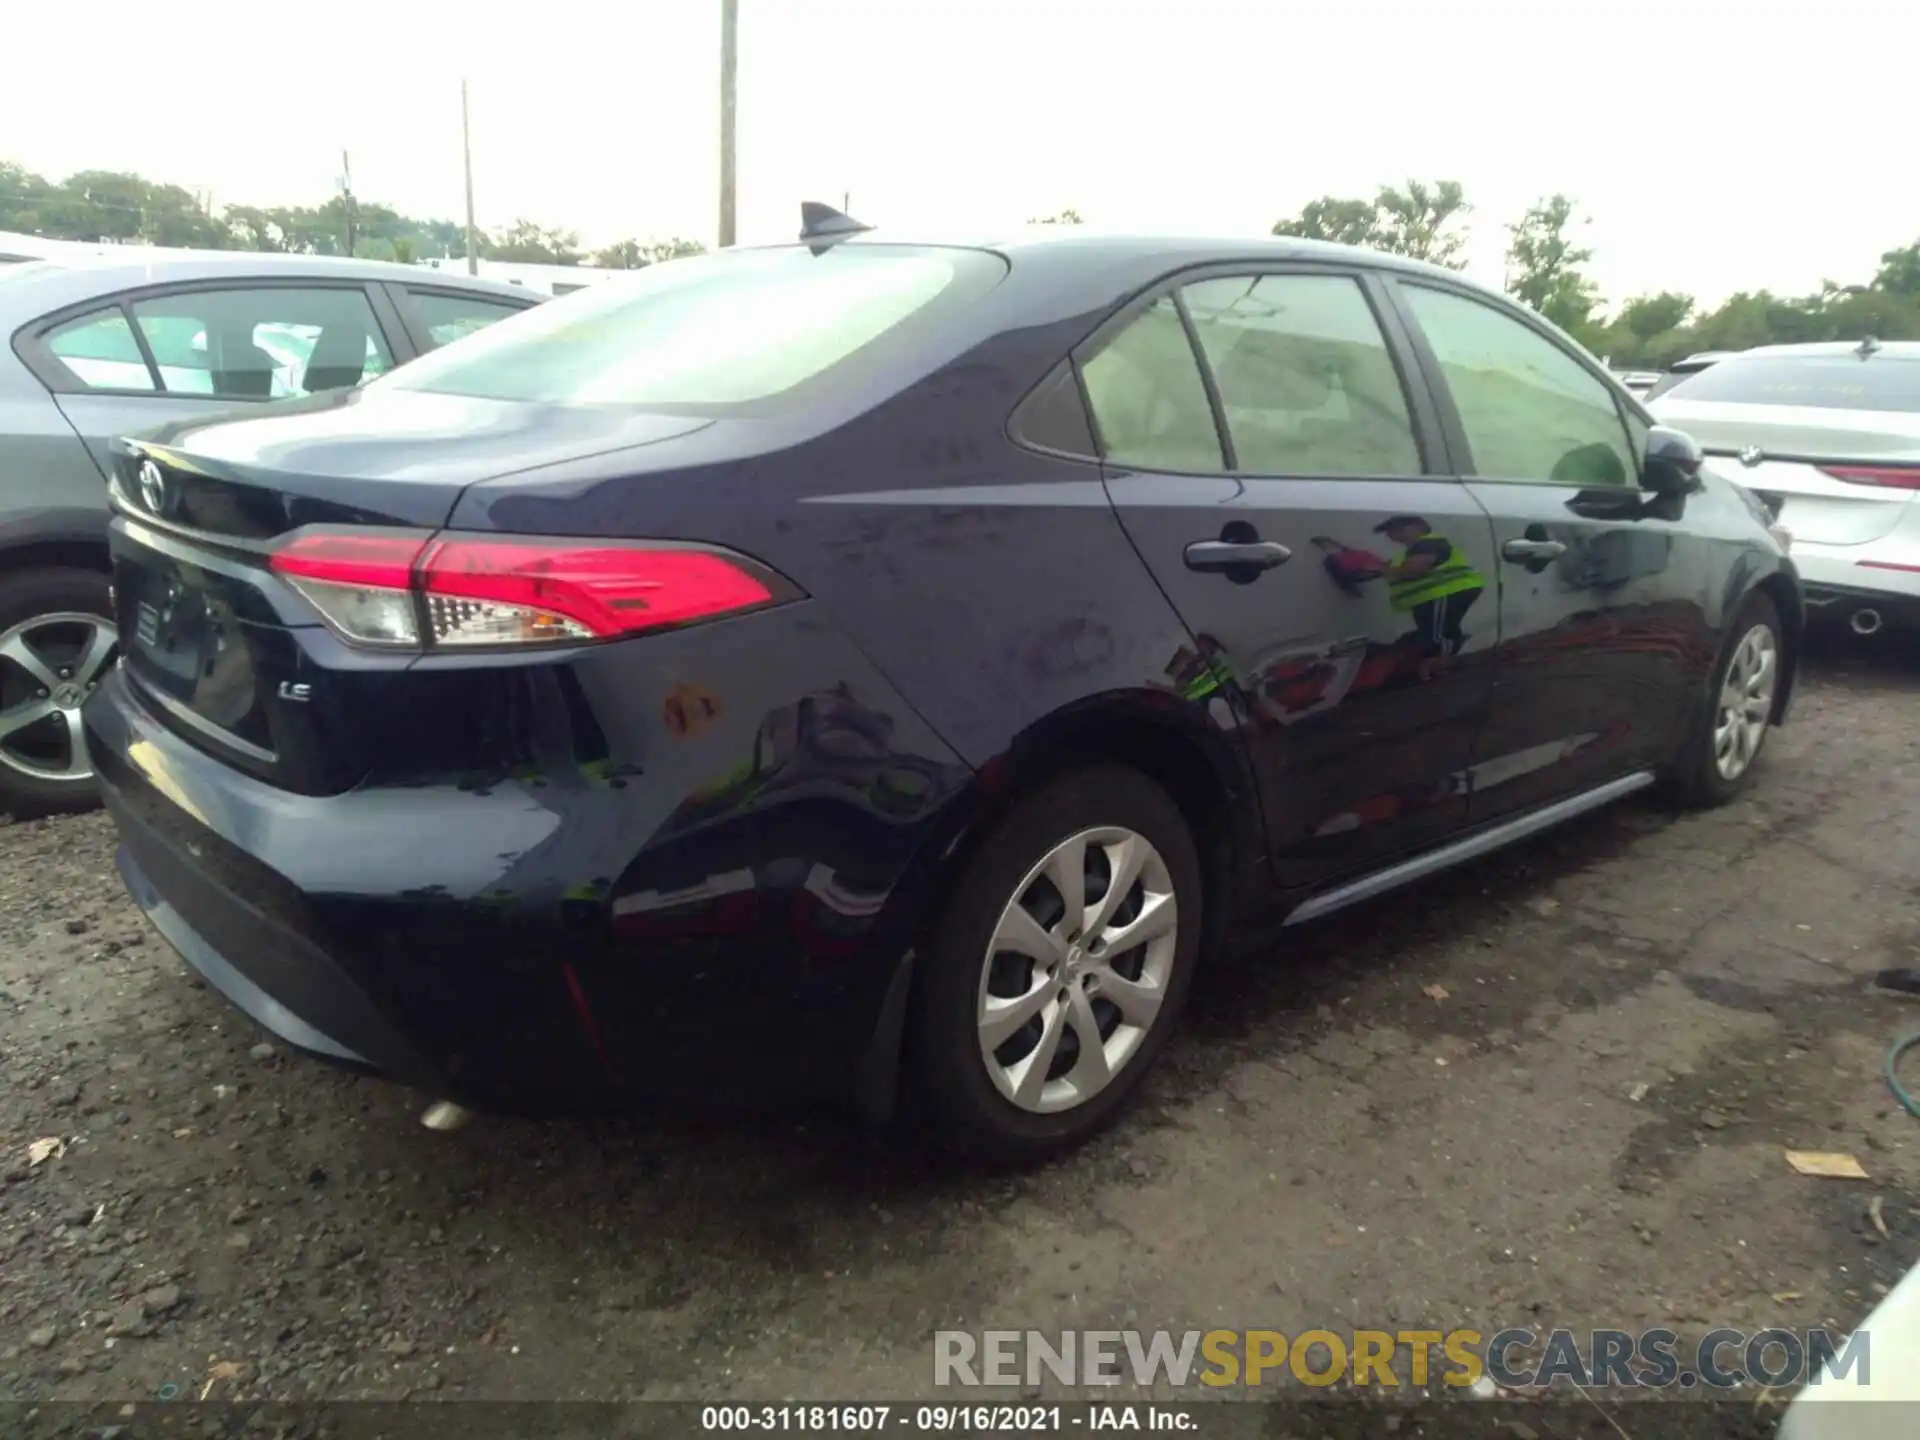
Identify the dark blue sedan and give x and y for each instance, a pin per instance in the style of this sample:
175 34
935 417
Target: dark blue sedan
827 669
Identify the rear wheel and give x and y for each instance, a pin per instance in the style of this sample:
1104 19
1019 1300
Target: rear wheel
1059 966
1717 762
57 640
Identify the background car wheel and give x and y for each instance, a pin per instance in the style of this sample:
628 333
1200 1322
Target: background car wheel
57 641
1718 760
1058 966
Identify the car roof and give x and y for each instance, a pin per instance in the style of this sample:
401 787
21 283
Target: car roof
1175 246
35 288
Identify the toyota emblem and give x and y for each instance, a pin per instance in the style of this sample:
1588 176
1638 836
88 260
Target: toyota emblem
1751 456
153 487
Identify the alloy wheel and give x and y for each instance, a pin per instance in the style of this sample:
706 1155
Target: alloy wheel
1077 969
49 665
1746 702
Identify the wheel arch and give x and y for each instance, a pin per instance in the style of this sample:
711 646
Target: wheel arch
1783 589
1203 769
55 540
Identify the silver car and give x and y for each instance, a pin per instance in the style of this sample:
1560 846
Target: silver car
118 342
1829 437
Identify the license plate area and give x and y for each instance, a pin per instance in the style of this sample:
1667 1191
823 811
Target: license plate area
188 646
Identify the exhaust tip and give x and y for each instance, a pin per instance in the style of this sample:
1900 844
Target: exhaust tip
444 1115
1865 621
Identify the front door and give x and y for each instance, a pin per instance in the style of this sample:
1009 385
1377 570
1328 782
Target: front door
1282 483
1604 597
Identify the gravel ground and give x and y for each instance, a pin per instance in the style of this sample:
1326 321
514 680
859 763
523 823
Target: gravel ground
1552 1088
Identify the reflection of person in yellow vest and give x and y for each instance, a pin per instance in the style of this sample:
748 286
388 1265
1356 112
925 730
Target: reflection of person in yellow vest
1431 579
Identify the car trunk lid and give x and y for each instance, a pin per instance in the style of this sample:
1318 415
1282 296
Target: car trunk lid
1802 457
228 653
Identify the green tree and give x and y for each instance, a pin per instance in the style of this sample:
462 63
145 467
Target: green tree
1069 216
1899 270
529 244
637 254
1343 222
22 194
1544 267
1419 220
1648 330
1647 316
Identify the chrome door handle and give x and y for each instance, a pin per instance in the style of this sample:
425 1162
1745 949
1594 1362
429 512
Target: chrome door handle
1256 555
1524 550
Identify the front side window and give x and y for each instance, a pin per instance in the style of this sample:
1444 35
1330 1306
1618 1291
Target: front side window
1531 412
1306 383
263 342
100 352
1148 400
742 329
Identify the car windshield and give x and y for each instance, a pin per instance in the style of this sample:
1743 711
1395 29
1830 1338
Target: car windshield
1822 382
743 329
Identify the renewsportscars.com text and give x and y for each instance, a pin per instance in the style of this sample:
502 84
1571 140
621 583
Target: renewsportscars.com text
1515 1359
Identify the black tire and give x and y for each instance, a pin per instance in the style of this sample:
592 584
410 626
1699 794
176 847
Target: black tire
1695 780
24 598
965 1109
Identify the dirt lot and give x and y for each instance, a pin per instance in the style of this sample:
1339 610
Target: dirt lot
1423 1113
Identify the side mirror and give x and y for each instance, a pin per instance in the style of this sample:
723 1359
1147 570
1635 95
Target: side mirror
1672 466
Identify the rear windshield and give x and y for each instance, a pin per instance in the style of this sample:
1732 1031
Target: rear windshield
744 329
1823 382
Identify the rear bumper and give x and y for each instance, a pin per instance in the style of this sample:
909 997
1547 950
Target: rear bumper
1885 573
297 994
568 943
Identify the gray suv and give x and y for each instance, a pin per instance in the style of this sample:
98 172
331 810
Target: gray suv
115 344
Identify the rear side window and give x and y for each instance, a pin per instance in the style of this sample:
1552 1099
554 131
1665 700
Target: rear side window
744 329
448 317
263 342
1148 400
100 352
1820 382
1306 383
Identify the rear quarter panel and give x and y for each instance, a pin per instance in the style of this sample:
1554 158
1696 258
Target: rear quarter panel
993 586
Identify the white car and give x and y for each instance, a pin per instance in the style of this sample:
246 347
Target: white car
1683 370
1856 1403
1829 437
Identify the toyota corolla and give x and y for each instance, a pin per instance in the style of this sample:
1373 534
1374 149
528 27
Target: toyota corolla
853 667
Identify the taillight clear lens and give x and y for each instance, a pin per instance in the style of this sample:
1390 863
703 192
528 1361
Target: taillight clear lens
377 588
364 615
1891 477
361 582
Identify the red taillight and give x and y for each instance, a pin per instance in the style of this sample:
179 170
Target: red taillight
1890 477
383 588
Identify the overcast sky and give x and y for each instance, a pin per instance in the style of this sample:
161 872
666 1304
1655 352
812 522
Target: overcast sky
1207 115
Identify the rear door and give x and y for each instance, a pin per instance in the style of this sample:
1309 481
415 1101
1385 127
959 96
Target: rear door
143 359
1269 461
1605 598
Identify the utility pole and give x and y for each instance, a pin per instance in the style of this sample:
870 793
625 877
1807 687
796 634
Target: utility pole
346 197
729 65
466 146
